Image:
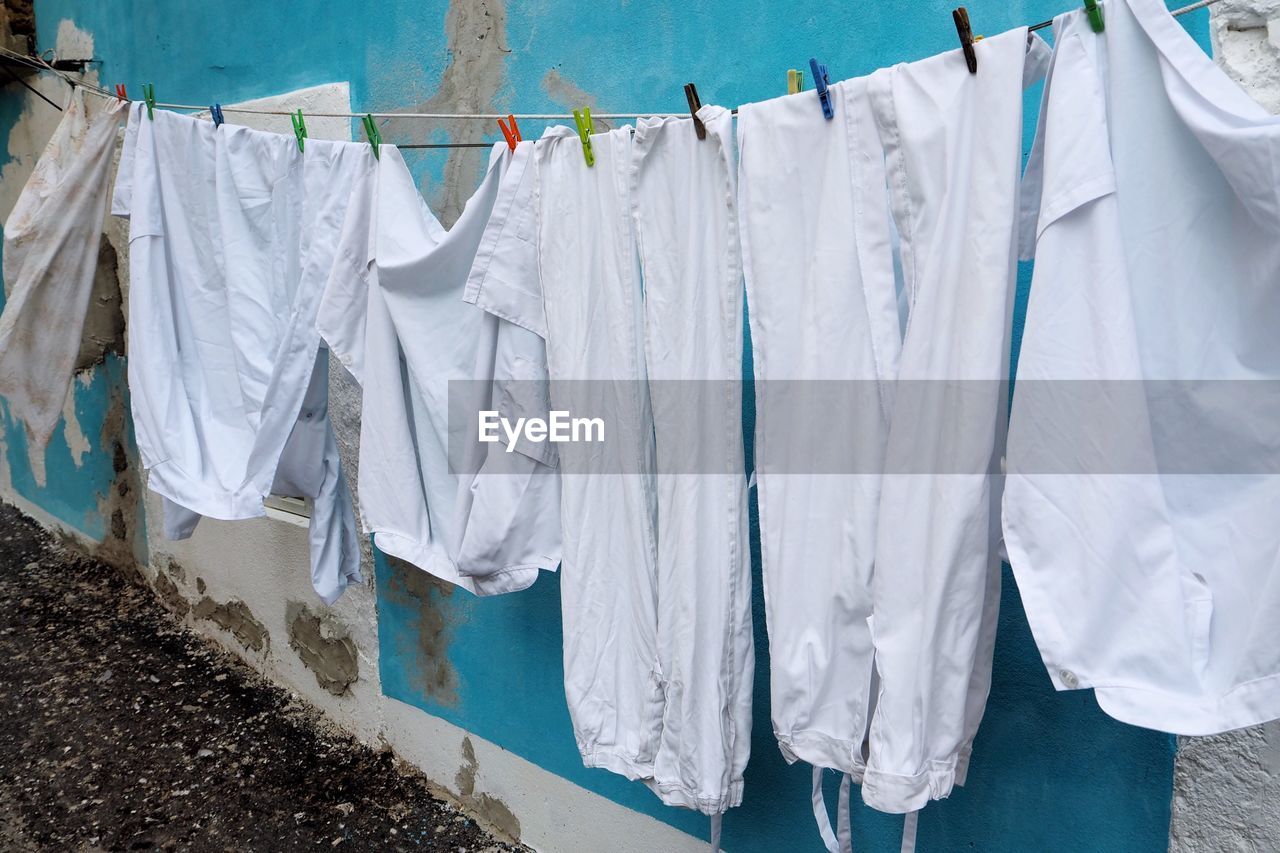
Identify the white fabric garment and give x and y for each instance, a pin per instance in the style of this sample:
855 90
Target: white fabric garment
886 533
658 655
471 514
687 236
953 148
820 293
232 237
309 467
51 242
1157 250
574 278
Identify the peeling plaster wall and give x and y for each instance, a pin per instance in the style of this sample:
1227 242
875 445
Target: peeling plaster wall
1227 787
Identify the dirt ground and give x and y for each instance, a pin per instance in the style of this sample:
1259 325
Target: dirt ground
120 730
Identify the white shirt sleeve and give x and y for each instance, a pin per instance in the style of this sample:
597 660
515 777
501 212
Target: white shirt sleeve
122 196
344 305
505 279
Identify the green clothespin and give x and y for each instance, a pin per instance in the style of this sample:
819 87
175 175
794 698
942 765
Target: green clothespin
149 96
299 127
795 81
372 132
583 120
1094 11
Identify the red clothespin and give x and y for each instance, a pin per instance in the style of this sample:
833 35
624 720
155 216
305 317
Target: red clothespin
512 133
120 93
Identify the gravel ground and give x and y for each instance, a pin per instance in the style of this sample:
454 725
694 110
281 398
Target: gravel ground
121 730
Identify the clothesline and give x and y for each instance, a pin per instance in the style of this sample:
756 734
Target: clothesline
40 64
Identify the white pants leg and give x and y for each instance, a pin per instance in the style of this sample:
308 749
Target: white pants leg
952 142
594 314
687 235
820 296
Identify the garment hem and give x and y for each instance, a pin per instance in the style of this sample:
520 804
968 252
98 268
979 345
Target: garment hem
899 794
221 505
822 750
425 558
617 762
1249 704
674 794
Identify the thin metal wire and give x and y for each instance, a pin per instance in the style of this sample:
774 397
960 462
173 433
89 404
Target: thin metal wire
1176 12
441 116
449 145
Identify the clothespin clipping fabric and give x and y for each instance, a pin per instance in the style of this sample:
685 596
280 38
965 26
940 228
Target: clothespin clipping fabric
512 133
299 128
695 104
821 81
1094 11
373 134
961 18
583 119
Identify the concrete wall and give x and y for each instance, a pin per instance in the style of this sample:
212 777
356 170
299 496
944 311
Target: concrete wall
469 689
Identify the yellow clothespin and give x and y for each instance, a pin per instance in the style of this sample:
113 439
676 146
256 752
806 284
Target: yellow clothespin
795 81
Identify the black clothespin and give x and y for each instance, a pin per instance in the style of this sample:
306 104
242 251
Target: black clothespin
215 113
961 18
691 93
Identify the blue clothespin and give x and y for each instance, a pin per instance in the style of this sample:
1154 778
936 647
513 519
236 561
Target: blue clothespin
820 80
583 120
215 112
299 127
149 96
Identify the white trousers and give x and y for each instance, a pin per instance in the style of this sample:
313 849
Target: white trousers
687 234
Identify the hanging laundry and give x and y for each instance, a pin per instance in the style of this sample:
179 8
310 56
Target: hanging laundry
1141 506
824 336
953 148
468 513
685 213
879 246
232 237
573 277
51 243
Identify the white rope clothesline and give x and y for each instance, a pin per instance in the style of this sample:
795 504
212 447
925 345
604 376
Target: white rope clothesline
39 63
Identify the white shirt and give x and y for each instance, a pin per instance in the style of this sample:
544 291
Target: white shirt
467 513
232 237
1141 506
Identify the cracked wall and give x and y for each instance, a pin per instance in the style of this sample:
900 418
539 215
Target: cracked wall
324 646
493 813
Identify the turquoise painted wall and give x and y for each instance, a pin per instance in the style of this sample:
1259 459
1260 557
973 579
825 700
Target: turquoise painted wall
1050 771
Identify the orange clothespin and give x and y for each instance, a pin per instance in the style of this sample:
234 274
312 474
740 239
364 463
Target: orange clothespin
512 133
120 93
